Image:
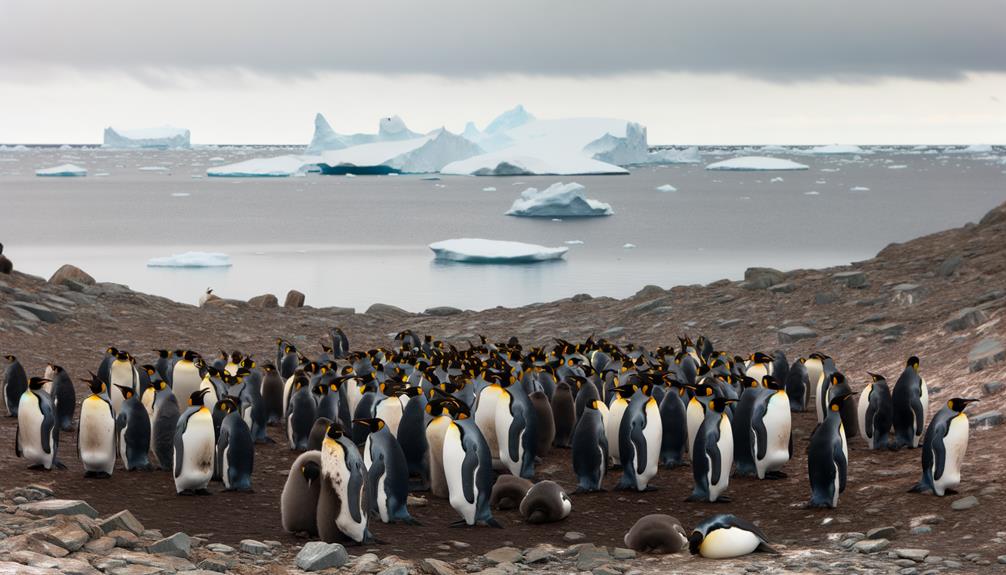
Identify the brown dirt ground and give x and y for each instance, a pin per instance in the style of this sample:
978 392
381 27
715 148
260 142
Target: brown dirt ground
878 481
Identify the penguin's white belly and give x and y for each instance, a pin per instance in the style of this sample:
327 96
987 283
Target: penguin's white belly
198 444
819 399
231 368
778 424
727 543
96 439
485 417
287 390
924 398
454 457
435 439
390 410
29 421
612 425
756 372
694 416
726 447
653 433
864 404
185 380
503 422
225 467
956 445
353 395
121 373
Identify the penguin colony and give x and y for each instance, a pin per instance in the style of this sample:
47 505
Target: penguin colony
468 425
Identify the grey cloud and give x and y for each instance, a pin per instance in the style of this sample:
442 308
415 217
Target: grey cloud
779 40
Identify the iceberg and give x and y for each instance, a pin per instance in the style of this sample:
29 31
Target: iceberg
755 163
671 156
666 188
422 155
838 149
161 138
571 146
277 167
192 260
390 128
557 200
483 251
972 149
64 170
513 118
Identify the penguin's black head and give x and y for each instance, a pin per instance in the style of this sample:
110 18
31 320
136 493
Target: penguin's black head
36 383
334 431
772 383
55 368
748 382
151 370
236 357
268 367
320 389
189 355
704 390
10 358
374 424
247 363
759 357
160 384
695 542
720 404
289 349
126 392
959 403
913 362
95 384
162 353
876 377
226 405
837 378
111 351
836 402
122 355
311 471
196 397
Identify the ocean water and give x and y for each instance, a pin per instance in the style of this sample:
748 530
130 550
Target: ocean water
354 241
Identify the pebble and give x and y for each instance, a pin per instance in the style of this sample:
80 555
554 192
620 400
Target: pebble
871 545
917 555
253 547
573 536
317 555
220 548
964 503
887 532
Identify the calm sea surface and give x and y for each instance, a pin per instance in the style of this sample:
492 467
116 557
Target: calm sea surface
354 241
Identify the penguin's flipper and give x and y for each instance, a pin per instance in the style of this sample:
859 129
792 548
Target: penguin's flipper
17 441
354 490
939 449
639 444
516 427
766 548
374 474
871 414
713 454
468 468
919 411
760 433
843 466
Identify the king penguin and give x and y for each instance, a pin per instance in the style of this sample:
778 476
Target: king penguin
435 430
272 394
943 450
121 372
64 397
185 377
235 453
798 385
164 421
563 414
713 454
37 435
639 439
674 418
342 510
15 382
468 469
132 431
516 431
617 404
828 457
876 413
194 447
387 473
486 399
299 501
590 448
96 431
910 400
303 411
696 411
727 536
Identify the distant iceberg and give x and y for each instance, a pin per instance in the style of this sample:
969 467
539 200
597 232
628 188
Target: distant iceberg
192 260
277 167
422 155
482 251
972 149
65 170
666 188
671 156
756 163
164 137
558 200
838 149
390 128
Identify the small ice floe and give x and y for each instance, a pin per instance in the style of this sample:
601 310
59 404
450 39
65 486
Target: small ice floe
756 163
483 251
859 189
776 179
897 167
64 170
829 169
558 200
821 182
812 193
489 189
197 176
154 169
191 260
573 242
101 175
629 246
180 194
666 188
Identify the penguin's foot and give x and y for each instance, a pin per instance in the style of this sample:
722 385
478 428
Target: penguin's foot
922 488
722 499
950 492
410 521
40 466
460 523
61 465
697 498
647 488
186 492
774 475
202 491
491 522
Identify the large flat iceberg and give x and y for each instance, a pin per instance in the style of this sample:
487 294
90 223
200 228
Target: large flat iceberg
64 170
422 155
558 201
276 167
756 163
482 251
163 137
390 128
192 260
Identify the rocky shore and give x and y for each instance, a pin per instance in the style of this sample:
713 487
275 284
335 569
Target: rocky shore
941 297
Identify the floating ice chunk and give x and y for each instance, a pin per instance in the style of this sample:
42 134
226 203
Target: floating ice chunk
897 167
65 170
180 194
101 175
666 188
859 189
671 156
821 182
756 163
158 138
838 149
629 246
812 193
573 242
197 176
277 167
477 250
426 154
161 169
558 200
215 159
489 189
972 149
830 169
192 260
776 179
774 149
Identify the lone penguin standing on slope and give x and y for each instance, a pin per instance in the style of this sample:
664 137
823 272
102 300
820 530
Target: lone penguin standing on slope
6 266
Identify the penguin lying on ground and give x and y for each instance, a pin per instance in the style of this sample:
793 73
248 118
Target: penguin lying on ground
727 536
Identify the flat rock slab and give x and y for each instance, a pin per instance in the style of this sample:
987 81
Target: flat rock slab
442 311
762 278
253 547
964 503
985 353
436 567
52 507
12 568
504 555
317 555
991 418
965 319
917 555
177 545
871 545
853 279
792 333
122 521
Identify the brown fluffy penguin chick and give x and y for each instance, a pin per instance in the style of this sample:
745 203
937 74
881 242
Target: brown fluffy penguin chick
546 502
658 534
508 492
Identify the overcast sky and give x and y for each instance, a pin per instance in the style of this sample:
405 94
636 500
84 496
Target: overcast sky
730 71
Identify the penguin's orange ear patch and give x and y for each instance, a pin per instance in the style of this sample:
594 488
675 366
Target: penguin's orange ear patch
950 404
834 407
